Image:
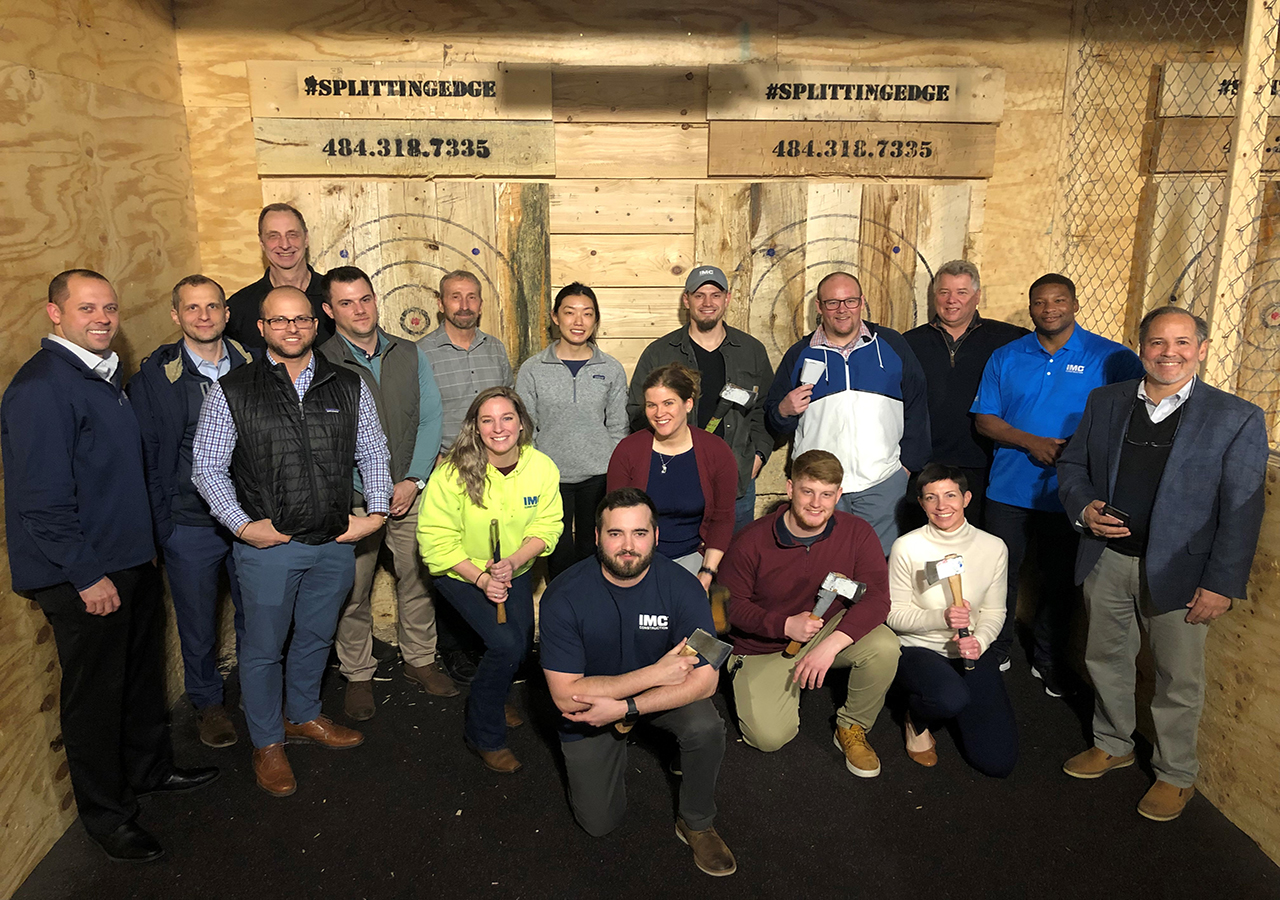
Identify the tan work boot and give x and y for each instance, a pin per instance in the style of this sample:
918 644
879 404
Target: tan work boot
1163 802
1094 763
432 678
272 770
710 854
502 761
358 702
859 758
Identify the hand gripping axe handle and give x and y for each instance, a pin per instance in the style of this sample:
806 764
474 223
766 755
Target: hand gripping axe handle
496 544
834 585
950 567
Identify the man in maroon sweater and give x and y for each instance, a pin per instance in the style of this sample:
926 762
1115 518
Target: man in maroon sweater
773 570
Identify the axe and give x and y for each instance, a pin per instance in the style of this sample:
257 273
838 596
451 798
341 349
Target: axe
731 395
950 567
708 646
496 544
719 598
834 585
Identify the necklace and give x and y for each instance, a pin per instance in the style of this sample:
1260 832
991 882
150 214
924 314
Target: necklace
664 460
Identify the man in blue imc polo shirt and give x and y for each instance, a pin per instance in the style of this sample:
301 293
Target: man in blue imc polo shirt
1029 402
612 631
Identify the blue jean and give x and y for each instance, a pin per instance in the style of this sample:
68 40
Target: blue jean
505 648
744 508
193 558
938 691
882 506
302 584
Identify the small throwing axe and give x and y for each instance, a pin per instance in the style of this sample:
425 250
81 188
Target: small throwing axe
730 396
950 567
833 586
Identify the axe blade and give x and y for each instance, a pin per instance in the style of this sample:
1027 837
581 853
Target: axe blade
709 647
942 569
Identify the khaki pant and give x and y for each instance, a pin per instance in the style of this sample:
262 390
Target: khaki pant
768 701
415 613
1119 604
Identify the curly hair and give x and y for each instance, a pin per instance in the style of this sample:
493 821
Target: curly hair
469 454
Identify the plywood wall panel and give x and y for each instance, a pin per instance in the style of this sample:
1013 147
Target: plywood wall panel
125 44
723 238
227 194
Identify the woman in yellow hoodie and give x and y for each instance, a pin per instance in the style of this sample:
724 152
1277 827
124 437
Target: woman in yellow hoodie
492 475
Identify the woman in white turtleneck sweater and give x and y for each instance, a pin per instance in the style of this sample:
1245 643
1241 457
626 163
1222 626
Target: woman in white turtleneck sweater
931 670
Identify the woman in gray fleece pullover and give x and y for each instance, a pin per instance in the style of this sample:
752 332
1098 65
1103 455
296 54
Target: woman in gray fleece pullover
577 396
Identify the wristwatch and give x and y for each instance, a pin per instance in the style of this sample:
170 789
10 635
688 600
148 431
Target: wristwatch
633 714
422 485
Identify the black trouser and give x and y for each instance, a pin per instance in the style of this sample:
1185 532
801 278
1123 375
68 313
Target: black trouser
114 722
578 540
1055 542
974 513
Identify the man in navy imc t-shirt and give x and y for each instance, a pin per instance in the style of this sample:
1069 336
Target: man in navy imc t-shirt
611 633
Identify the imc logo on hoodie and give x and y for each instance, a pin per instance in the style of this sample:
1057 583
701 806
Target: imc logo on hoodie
530 501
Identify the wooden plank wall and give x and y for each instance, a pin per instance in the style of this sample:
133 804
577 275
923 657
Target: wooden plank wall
96 174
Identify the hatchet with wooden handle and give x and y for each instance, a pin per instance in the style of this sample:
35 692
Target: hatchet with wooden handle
950 567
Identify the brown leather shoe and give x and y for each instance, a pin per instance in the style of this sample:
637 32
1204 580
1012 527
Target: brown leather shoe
214 727
927 758
710 854
323 731
357 701
513 717
1094 763
1163 802
272 770
432 678
501 761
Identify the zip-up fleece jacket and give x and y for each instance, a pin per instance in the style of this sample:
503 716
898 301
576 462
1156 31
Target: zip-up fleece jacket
770 577
526 503
577 420
871 411
161 395
746 364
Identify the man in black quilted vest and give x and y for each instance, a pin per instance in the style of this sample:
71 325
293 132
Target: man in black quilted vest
273 455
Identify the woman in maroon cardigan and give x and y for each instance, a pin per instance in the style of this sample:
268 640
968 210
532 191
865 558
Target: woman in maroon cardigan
691 475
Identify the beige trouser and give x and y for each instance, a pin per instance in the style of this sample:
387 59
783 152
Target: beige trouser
415 614
768 701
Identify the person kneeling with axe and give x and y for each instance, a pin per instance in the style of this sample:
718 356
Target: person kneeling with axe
945 671
790 576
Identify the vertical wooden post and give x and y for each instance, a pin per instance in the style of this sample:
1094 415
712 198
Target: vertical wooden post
1239 227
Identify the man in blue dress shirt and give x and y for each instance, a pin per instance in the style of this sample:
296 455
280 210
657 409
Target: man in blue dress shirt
1030 399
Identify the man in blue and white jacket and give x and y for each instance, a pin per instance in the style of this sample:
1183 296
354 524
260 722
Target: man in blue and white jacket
855 389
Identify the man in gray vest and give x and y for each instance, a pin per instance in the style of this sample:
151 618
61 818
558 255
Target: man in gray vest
399 376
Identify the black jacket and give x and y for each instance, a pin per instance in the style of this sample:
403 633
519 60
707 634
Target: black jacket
244 304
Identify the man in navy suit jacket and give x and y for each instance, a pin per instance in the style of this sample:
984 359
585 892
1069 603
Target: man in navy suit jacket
1164 479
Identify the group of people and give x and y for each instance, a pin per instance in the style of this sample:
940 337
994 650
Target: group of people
286 438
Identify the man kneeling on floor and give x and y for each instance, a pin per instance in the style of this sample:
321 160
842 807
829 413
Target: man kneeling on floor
611 634
774 571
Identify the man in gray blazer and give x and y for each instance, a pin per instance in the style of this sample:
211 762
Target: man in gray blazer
1164 479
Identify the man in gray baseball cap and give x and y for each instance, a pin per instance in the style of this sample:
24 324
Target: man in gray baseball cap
724 356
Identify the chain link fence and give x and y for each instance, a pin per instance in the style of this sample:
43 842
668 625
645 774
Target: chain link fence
1155 93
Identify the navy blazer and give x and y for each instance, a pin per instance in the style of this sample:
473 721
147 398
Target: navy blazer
1208 506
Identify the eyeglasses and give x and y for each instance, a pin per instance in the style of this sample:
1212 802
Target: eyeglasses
280 323
836 302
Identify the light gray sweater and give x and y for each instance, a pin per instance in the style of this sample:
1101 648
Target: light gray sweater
578 420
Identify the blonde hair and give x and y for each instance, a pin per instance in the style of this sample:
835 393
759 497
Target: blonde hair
469 454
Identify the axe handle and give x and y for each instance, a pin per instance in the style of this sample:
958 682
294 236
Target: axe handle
496 544
794 647
957 599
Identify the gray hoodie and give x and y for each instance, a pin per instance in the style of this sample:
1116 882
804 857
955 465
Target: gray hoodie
578 420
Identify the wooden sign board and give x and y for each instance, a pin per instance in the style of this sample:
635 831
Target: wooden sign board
855 94
422 148
892 149
1203 145
319 90
1205 89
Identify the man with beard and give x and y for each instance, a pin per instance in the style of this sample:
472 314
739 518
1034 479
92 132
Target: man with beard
722 355
856 389
464 361
773 571
1029 401
612 630
289 428
167 394
282 234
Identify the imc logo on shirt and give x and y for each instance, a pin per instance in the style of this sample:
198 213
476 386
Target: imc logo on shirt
530 501
652 623
1073 369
